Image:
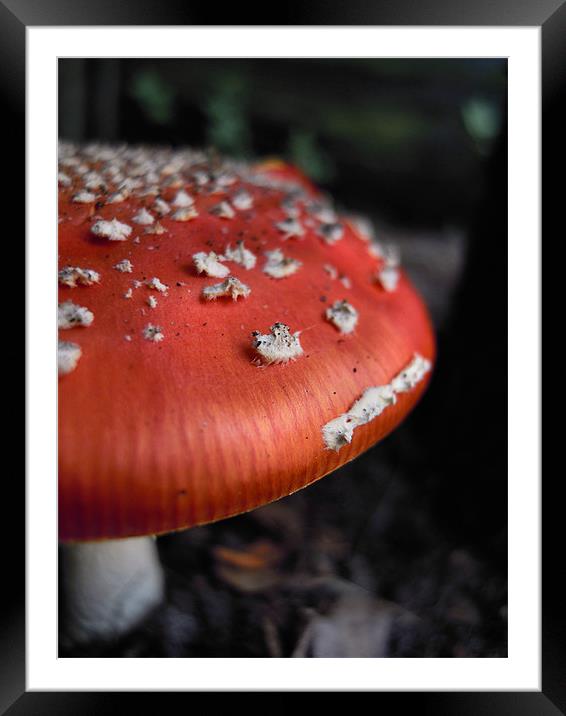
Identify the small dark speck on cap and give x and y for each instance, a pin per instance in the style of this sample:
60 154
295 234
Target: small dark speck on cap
323 299
355 370
204 324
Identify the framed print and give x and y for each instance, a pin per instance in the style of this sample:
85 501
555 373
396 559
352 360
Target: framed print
270 240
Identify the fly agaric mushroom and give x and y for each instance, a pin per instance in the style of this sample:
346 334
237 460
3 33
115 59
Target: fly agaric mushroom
184 410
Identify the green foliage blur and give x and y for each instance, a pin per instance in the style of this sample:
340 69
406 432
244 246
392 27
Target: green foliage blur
154 97
412 135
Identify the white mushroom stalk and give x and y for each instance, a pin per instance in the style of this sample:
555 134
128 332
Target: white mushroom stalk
109 587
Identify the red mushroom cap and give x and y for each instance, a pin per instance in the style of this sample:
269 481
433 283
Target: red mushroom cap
171 413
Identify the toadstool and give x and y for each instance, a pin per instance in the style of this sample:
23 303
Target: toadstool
196 410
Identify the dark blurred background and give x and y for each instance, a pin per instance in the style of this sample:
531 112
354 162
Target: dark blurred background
404 551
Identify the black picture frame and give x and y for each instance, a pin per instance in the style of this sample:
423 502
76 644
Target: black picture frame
550 15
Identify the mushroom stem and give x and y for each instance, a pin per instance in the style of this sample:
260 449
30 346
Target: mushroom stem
108 587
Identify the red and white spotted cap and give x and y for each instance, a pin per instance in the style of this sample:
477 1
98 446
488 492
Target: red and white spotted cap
226 338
